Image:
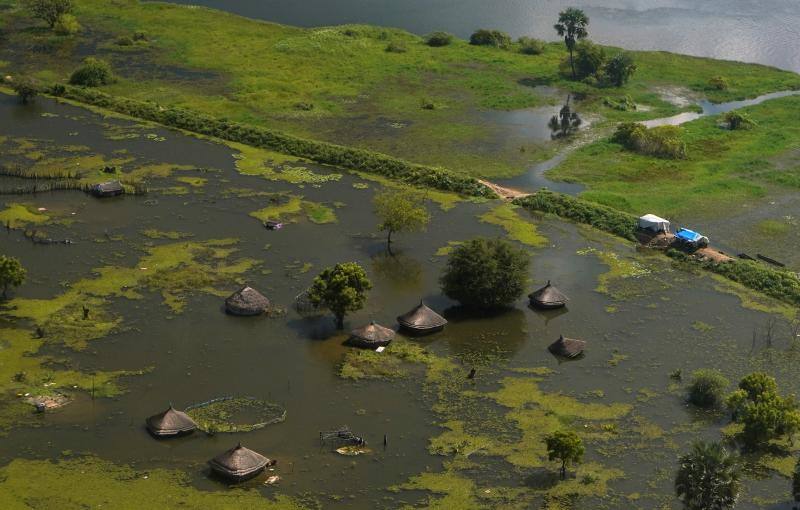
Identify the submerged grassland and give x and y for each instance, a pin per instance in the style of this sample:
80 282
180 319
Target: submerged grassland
341 84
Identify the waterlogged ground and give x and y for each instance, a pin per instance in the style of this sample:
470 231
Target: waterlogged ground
154 268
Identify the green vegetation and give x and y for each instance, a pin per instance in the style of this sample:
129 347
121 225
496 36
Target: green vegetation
494 38
662 141
89 482
738 120
438 39
485 274
531 46
566 447
763 413
707 388
571 26
285 207
506 216
26 88
49 11
12 274
708 477
67 24
620 68
400 211
589 61
341 289
93 73
796 482
235 414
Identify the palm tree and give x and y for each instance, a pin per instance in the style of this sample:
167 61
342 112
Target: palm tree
708 478
571 26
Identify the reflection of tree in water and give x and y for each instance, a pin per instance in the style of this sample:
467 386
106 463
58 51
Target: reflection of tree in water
402 271
564 124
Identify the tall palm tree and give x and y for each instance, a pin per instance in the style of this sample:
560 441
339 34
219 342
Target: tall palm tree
571 26
708 478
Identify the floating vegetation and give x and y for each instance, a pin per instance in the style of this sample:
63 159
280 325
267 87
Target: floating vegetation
445 250
153 233
517 228
275 166
235 414
285 207
20 216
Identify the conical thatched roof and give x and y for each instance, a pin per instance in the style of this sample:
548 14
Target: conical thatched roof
567 347
422 320
239 462
170 423
246 301
548 297
371 336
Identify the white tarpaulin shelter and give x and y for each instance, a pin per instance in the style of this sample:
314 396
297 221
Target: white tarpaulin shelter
653 223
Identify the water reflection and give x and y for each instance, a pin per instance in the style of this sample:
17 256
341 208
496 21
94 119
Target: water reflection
565 124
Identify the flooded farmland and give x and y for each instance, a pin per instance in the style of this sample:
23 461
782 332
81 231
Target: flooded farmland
436 437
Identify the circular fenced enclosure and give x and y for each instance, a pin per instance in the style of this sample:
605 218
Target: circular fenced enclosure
235 414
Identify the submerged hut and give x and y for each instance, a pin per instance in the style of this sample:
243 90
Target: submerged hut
371 336
239 463
107 189
246 301
548 297
567 347
170 423
422 320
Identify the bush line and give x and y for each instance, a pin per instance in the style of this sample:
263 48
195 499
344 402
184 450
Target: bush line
780 284
320 152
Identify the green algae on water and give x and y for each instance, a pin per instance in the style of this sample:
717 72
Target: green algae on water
516 228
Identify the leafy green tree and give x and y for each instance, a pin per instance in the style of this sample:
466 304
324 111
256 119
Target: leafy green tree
400 211
620 68
707 387
485 274
12 274
589 59
738 120
93 73
571 26
764 414
341 289
26 88
708 478
48 10
67 24
564 446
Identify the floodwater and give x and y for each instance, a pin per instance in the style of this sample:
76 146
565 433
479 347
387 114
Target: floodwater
655 321
765 31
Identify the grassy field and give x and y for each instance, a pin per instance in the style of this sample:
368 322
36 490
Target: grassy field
340 84
723 167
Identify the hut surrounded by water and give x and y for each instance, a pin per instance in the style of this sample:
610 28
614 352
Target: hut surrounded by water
170 423
246 301
371 336
548 297
567 347
107 189
422 320
239 463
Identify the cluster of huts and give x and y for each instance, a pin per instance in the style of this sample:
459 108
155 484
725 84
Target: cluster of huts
240 463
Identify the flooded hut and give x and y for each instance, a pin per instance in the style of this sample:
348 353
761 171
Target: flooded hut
107 189
371 336
422 320
170 423
239 463
548 297
567 347
246 301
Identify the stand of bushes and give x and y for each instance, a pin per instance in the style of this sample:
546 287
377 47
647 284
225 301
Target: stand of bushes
321 152
662 141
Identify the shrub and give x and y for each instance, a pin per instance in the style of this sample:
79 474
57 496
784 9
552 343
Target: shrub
718 83
140 37
437 39
427 104
494 38
738 120
48 10
321 152
25 88
661 141
12 274
589 59
620 68
93 73
623 104
485 274
531 46
707 387
764 413
396 47
67 24
124 40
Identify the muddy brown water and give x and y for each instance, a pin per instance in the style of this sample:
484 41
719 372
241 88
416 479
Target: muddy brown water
203 353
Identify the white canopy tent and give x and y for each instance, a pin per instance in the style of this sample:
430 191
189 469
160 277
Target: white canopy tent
653 223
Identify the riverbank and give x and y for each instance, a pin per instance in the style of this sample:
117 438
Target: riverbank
339 84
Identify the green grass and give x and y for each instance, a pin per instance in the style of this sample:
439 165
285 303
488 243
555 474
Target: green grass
259 73
723 168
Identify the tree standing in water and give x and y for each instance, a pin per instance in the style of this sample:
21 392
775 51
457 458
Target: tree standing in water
12 274
565 446
341 289
708 477
571 26
400 211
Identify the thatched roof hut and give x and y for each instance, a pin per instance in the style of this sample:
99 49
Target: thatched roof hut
371 336
246 301
239 463
567 347
422 320
170 423
548 297
107 189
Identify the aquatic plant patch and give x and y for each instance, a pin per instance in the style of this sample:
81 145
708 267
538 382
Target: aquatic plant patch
235 414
